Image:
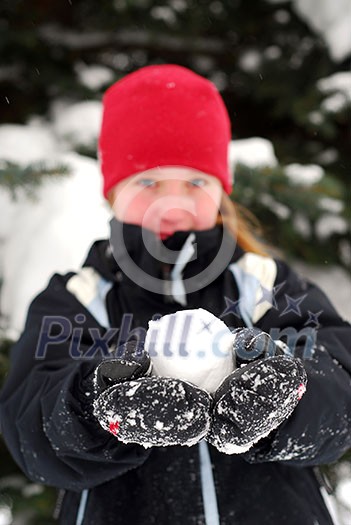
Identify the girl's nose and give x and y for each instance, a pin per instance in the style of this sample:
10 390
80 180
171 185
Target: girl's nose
173 215
174 203
174 187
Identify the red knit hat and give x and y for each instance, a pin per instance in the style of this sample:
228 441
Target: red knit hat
163 115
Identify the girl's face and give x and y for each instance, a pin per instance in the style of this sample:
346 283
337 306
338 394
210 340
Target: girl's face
168 199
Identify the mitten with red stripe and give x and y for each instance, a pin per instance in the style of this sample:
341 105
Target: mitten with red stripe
151 411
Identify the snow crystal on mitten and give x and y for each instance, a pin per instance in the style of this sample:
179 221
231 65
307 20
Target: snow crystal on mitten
155 411
254 400
193 345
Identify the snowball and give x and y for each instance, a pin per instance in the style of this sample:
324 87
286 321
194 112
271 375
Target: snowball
192 345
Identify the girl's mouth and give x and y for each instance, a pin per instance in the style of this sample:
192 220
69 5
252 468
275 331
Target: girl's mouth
164 235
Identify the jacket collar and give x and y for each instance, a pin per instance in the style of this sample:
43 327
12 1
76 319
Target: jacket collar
132 244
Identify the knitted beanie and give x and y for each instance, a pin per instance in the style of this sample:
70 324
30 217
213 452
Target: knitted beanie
163 115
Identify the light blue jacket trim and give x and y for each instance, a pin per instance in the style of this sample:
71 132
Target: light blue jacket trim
82 506
209 497
97 307
185 254
247 285
255 276
91 289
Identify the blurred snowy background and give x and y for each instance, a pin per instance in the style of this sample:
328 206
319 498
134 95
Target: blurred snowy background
283 68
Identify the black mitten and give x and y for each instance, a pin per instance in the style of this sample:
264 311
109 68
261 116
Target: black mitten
130 361
150 411
255 399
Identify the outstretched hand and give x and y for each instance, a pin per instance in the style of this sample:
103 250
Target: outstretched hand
150 411
160 411
257 397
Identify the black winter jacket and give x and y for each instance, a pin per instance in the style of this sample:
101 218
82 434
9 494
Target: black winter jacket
45 405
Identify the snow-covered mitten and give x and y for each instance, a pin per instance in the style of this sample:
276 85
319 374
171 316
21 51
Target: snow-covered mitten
253 400
149 411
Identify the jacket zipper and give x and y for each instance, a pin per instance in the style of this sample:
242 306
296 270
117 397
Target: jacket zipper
82 507
209 496
167 285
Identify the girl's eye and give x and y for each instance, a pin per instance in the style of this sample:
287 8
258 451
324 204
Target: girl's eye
147 183
198 183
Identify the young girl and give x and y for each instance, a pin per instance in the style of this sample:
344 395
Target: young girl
176 454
